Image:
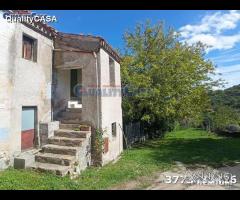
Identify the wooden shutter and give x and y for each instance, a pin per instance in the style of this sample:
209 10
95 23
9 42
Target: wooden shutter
29 51
106 144
28 48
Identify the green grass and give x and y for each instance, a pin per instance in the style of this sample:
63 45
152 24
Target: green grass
187 146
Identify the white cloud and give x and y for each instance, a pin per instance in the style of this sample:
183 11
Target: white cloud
224 53
228 69
226 58
210 30
230 74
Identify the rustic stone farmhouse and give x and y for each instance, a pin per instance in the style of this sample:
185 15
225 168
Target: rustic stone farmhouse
57 90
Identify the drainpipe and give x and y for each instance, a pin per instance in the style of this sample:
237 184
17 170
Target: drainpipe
97 79
52 82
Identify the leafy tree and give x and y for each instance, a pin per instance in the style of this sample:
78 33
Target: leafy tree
166 80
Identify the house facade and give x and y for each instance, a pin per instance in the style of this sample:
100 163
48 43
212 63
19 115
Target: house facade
56 91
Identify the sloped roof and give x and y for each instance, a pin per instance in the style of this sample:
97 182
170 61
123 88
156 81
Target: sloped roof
39 27
87 43
69 41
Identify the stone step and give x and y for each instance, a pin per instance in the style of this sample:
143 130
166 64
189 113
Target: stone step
74 110
85 128
63 141
81 127
52 168
71 115
57 159
70 133
69 126
70 121
56 149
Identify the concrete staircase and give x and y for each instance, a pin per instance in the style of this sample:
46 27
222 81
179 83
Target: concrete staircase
71 116
68 151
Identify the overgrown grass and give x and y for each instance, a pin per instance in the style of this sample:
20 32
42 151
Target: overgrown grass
187 146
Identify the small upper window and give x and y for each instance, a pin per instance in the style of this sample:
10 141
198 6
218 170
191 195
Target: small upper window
114 129
29 48
111 72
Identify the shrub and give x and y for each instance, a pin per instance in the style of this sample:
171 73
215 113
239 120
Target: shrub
223 120
225 116
97 147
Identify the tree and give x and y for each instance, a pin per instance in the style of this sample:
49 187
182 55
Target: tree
224 116
166 80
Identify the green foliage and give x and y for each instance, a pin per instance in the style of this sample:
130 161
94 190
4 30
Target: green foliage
99 141
228 97
97 147
168 79
177 126
223 117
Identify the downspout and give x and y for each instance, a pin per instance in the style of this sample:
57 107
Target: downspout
97 79
53 81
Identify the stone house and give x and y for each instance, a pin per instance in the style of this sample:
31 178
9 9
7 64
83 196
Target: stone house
57 90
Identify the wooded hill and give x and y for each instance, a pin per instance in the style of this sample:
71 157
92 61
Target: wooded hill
229 97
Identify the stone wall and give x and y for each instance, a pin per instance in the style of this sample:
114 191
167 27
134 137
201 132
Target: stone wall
46 130
85 153
23 83
7 71
4 160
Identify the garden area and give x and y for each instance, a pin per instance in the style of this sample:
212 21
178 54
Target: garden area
188 146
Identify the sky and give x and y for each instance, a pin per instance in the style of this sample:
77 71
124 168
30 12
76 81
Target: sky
220 30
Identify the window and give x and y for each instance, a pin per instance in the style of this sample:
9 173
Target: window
29 48
111 72
114 129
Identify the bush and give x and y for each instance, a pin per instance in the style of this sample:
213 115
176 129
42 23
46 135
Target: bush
223 120
225 116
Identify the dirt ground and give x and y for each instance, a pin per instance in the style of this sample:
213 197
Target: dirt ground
179 179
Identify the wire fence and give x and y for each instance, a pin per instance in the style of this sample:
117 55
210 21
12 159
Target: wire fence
133 133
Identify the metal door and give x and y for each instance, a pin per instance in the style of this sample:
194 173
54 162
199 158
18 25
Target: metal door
28 127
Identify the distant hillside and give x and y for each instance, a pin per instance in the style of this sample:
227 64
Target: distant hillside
229 97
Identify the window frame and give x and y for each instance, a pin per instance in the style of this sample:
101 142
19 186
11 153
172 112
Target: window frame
114 129
112 72
34 47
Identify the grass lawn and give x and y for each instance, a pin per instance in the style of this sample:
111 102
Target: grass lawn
187 146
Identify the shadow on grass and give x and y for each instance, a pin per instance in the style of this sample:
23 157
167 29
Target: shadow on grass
197 151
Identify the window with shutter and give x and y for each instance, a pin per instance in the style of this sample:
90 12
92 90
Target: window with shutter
29 48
